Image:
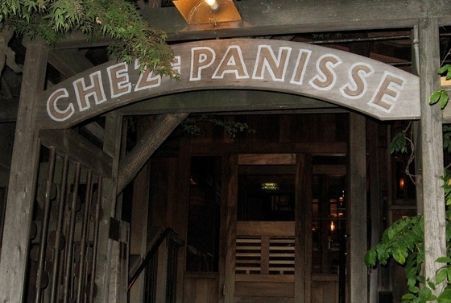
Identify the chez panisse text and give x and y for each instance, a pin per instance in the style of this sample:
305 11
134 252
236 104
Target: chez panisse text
301 69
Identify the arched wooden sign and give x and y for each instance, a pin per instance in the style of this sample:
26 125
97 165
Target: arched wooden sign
342 78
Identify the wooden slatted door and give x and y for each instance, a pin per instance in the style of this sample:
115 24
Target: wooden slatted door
265 260
267 230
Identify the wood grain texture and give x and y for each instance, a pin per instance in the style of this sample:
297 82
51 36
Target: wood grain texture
275 17
24 168
68 142
431 148
275 65
357 210
108 254
147 145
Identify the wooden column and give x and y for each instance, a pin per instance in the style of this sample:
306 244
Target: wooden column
228 230
107 248
140 217
376 203
358 280
431 147
417 128
22 184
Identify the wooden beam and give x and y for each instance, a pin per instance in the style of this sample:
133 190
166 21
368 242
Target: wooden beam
79 148
22 185
274 17
375 160
69 62
224 100
431 147
358 286
107 248
150 141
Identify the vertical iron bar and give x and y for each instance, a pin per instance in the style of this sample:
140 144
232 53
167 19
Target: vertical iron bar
45 225
68 273
59 226
96 239
83 236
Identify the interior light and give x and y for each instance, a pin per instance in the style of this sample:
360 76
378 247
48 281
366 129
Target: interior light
213 4
332 226
402 183
270 186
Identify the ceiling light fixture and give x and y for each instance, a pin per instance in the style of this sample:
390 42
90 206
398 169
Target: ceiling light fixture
208 12
213 4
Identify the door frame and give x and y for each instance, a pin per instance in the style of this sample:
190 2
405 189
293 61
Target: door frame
303 221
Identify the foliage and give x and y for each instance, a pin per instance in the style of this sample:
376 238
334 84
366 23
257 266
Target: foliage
403 241
192 125
115 20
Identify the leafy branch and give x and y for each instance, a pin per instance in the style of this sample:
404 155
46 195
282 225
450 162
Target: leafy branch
193 125
403 241
116 20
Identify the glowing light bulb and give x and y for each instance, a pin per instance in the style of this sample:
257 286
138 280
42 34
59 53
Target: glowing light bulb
332 226
213 4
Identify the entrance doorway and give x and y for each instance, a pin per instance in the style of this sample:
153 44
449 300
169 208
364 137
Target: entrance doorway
287 219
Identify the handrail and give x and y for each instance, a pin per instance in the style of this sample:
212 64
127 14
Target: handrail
168 233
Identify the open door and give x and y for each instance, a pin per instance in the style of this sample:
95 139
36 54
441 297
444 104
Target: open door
267 229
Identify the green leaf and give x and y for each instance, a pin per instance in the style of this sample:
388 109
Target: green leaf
435 97
445 296
444 98
443 260
399 257
443 69
441 275
370 258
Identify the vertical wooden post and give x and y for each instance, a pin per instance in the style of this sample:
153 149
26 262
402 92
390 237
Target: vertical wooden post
228 229
181 211
106 247
22 185
417 128
431 147
140 217
376 206
358 283
303 211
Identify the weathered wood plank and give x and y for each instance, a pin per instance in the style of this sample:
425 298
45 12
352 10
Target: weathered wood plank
303 215
140 221
69 143
107 250
376 202
431 147
286 17
314 148
69 62
342 78
225 100
150 141
358 209
228 229
24 168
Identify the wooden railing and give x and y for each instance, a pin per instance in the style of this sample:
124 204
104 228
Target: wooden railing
149 265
